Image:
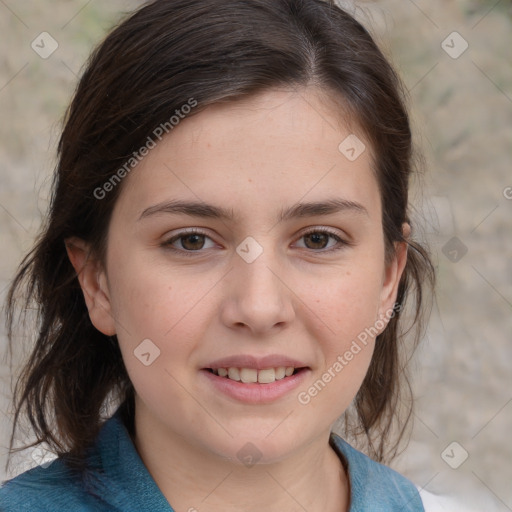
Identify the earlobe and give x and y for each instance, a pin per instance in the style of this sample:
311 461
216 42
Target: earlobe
393 274
93 282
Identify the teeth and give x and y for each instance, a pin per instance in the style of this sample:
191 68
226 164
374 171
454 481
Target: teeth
266 376
251 375
234 374
280 373
248 375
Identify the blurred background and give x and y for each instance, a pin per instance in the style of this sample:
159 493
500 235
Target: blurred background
454 57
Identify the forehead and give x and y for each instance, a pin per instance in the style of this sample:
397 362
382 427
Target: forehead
278 147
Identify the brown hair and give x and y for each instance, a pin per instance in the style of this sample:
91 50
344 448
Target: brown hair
149 66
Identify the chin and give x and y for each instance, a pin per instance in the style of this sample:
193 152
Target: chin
257 446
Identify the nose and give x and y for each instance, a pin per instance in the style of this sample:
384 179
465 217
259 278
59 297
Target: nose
257 296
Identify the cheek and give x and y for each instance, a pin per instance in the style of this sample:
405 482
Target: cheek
150 300
343 323
155 334
345 342
145 307
170 308
346 303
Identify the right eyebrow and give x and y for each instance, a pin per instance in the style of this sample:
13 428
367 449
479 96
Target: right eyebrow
190 208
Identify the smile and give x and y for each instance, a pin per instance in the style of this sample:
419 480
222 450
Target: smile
255 386
253 375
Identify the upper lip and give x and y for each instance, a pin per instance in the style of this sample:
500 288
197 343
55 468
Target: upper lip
257 363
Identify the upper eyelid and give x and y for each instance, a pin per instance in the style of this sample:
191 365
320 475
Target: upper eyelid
205 232
343 237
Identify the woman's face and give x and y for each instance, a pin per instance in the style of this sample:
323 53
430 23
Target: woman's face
284 269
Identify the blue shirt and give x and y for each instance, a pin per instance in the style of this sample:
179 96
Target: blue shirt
117 480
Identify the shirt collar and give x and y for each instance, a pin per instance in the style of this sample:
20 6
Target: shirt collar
126 479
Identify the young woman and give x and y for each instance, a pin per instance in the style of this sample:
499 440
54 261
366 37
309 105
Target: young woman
224 269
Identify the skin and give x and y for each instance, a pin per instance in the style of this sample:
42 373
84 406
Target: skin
255 157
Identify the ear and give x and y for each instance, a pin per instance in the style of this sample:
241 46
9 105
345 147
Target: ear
392 275
93 281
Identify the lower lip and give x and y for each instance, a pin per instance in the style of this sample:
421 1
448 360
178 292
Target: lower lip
255 393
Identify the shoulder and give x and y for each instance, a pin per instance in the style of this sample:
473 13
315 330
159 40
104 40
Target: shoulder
114 479
56 487
45 489
374 486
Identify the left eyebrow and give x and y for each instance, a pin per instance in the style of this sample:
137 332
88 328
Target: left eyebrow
329 207
300 210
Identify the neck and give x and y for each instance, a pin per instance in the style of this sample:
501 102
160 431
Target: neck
312 478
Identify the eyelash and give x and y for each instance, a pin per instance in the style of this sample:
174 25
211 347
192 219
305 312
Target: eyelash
341 243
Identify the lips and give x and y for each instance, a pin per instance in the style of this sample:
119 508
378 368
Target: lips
255 380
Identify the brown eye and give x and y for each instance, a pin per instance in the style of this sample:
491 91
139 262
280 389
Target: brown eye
188 242
318 240
192 242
